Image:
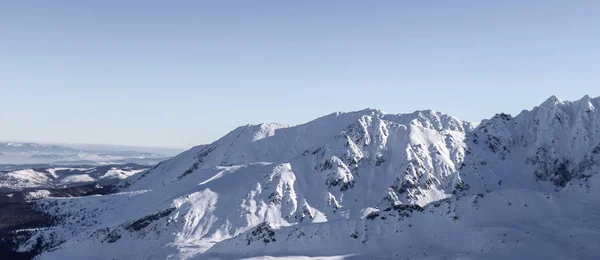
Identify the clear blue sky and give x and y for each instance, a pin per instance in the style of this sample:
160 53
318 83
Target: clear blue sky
181 73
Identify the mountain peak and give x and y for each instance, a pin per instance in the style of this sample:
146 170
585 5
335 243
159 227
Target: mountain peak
372 112
552 101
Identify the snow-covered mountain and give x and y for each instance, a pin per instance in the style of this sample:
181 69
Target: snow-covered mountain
15 153
358 185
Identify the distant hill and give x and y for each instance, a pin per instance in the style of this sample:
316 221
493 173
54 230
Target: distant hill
35 153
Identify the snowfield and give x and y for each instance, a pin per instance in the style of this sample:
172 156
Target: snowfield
359 185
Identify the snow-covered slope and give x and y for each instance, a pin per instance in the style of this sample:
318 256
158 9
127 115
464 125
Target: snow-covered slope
62 177
508 224
361 184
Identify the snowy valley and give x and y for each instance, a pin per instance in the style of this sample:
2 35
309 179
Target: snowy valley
358 185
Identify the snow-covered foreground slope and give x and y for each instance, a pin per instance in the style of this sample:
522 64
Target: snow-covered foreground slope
509 224
364 184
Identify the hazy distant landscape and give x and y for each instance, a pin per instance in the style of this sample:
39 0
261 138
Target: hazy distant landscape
15 153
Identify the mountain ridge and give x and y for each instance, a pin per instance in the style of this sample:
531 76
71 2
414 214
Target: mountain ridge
331 186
